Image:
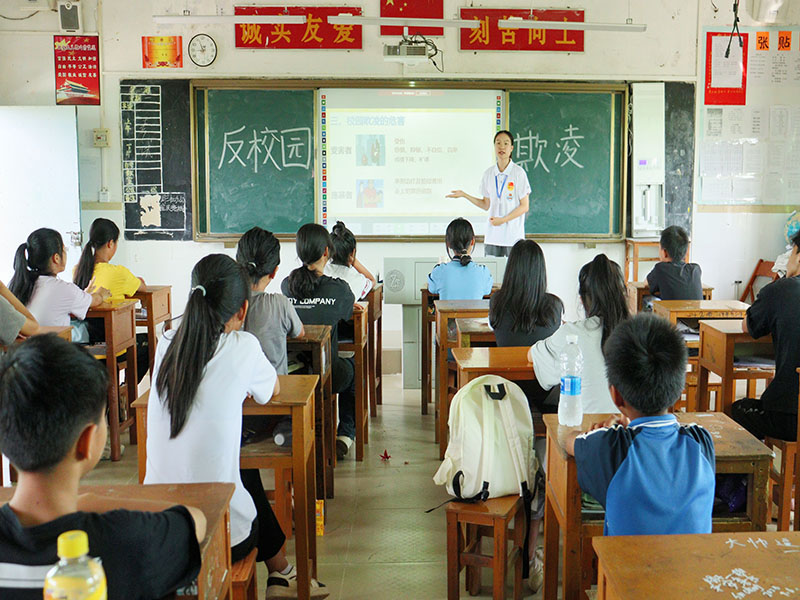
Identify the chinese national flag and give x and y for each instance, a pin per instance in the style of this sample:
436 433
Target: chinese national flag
417 9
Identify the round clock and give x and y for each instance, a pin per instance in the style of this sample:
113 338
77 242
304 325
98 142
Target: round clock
202 50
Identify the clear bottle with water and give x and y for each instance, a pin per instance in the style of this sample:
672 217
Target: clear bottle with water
570 403
77 576
282 434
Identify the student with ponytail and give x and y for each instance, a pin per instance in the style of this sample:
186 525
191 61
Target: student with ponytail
345 266
271 317
51 301
460 279
203 371
95 262
323 300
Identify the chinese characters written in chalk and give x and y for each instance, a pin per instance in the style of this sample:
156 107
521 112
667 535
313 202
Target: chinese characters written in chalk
532 148
282 149
784 543
739 584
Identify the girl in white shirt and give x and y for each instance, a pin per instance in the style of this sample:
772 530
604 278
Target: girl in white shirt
344 264
51 300
203 371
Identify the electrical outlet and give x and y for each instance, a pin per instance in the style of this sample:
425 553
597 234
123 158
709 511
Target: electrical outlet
102 195
100 138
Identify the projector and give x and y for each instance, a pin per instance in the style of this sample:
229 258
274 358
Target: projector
410 54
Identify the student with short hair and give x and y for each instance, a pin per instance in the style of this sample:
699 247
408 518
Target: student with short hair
651 474
776 311
15 319
53 401
271 317
345 266
52 301
671 277
203 372
460 278
323 300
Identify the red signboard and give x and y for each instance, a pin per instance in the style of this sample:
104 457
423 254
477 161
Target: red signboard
491 37
413 9
77 67
733 89
316 33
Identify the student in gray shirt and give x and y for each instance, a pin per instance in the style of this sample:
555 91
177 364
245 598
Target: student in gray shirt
15 319
271 317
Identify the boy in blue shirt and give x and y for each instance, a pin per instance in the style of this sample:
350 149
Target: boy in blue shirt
652 475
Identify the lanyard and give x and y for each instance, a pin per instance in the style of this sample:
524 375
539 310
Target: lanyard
500 189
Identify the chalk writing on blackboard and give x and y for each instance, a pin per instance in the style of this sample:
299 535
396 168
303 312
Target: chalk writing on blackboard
530 148
740 584
294 146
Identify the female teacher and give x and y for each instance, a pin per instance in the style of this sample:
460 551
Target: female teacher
505 191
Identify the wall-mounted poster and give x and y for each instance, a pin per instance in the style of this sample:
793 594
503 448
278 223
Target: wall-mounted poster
77 68
162 52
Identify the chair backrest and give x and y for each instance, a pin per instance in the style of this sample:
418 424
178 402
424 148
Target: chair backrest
763 269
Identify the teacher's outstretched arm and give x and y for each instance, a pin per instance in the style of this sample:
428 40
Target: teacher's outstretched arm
483 203
521 210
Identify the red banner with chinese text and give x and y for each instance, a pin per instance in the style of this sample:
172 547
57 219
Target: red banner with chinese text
316 33
413 9
725 94
77 68
491 37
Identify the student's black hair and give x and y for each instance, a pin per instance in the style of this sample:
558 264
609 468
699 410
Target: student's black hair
459 237
311 242
646 361
219 289
343 243
33 259
524 295
259 253
101 232
50 390
602 291
675 242
506 132
796 240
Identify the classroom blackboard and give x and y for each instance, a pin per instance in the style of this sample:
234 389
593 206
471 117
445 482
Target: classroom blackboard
679 159
570 145
155 137
255 166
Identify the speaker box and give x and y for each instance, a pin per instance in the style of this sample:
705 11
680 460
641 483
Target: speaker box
69 16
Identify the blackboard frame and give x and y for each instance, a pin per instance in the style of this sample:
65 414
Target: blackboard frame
504 85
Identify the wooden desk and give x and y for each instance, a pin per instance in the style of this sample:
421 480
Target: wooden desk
120 335
632 247
375 347
672 310
474 331
718 340
213 499
64 332
510 362
316 340
736 452
157 302
637 290
696 566
446 310
359 349
297 401
427 319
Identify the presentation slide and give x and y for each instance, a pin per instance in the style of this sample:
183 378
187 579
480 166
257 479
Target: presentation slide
392 156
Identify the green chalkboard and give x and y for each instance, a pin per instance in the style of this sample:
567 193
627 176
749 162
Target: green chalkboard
255 159
569 144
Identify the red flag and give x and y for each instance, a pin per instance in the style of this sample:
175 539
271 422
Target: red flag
417 9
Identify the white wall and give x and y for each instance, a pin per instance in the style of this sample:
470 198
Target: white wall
724 244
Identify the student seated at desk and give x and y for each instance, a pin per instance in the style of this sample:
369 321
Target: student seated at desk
53 428
522 313
345 266
323 300
203 372
95 266
652 475
271 317
15 319
672 278
602 293
776 311
52 301
460 279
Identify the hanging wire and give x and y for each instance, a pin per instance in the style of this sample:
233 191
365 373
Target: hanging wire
735 29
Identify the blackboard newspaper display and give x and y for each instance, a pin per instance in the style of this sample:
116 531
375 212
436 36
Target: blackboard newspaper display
569 143
156 159
256 167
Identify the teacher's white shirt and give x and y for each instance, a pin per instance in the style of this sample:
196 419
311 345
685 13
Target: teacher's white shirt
504 191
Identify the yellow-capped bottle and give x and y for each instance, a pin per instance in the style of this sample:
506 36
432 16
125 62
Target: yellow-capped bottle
76 576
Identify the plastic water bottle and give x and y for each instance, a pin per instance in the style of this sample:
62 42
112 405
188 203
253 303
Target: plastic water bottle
76 576
282 434
570 403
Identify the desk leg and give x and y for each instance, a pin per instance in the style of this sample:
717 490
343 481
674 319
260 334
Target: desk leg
113 404
426 360
635 262
330 438
131 384
759 495
551 530
500 549
728 382
441 396
302 463
602 584
361 415
371 376
379 361
322 445
701 401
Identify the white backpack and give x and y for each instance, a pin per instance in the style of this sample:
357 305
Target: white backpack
490 453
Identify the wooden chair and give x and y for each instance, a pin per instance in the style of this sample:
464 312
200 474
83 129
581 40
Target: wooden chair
491 519
243 578
763 269
783 482
359 347
690 391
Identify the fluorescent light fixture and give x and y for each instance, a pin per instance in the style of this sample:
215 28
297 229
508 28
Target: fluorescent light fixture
520 23
348 19
232 19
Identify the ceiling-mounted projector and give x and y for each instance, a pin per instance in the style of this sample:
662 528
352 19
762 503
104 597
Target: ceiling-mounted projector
407 53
